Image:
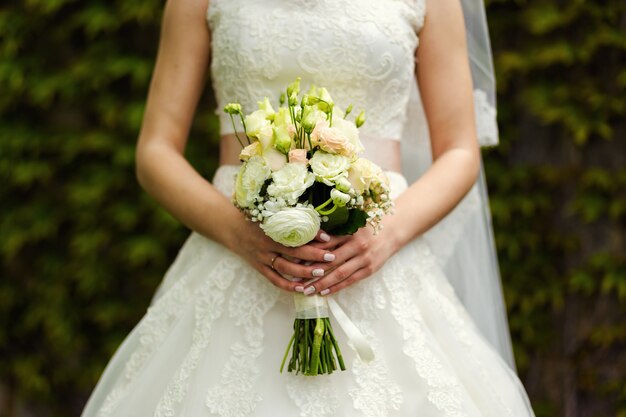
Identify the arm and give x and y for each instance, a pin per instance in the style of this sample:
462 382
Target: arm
445 83
161 168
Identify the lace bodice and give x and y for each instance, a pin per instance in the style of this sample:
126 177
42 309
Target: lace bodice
362 51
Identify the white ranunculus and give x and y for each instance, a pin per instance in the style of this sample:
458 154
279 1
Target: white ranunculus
294 226
290 182
329 168
250 179
362 173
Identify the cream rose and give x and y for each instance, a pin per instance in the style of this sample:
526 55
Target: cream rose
250 179
290 182
349 131
298 156
331 139
362 173
274 159
329 168
293 226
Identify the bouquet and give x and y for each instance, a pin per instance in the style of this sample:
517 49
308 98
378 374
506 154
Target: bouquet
301 172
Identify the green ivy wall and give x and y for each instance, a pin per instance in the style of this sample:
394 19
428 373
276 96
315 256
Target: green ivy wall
82 248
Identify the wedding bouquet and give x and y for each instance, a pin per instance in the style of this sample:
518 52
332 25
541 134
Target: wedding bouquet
301 172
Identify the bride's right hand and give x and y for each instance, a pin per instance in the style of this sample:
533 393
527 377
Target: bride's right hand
276 262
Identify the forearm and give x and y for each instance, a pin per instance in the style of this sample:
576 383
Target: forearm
169 178
433 195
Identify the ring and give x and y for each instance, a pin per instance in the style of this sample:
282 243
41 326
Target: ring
272 263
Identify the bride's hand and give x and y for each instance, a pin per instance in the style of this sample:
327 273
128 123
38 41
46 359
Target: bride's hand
270 258
357 257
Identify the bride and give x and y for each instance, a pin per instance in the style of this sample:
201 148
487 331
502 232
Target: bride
211 342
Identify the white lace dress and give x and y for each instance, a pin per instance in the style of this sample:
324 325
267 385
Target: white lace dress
213 338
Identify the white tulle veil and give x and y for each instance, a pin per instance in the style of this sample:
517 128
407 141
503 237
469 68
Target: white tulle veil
463 241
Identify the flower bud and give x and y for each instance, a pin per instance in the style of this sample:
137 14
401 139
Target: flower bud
360 119
294 88
282 139
309 119
348 111
343 185
293 99
339 199
282 99
232 108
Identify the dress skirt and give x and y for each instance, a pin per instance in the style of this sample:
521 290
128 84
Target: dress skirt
212 341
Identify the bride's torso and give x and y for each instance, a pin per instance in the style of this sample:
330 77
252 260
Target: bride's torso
362 51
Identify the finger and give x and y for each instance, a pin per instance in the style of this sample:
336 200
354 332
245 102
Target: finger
351 248
322 236
338 275
334 241
275 278
306 253
297 269
354 278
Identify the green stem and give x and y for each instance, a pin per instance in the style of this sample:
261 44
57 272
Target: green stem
324 204
243 122
232 120
306 347
327 212
282 365
336 345
318 333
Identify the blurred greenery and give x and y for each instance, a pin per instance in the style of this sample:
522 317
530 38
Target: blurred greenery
83 248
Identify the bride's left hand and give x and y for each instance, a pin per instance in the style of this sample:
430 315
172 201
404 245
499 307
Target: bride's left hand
357 257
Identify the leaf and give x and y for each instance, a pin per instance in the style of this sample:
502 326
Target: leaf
356 220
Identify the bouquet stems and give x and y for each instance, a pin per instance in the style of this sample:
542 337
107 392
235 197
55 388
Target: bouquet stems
313 348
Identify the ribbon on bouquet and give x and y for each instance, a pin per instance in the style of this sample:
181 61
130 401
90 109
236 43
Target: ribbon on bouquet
356 339
316 306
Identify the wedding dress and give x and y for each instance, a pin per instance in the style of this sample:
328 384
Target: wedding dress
213 338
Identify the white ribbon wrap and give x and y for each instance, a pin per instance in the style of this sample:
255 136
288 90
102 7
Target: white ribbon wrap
315 306
310 307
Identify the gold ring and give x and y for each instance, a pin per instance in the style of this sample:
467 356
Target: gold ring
273 259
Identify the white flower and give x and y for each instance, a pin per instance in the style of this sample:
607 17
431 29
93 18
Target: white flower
290 182
293 226
362 173
266 106
350 131
329 168
250 179
256 121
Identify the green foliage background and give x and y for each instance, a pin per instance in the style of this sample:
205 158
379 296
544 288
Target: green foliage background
82 247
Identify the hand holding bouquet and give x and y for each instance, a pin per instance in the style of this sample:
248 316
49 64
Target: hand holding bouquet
301 172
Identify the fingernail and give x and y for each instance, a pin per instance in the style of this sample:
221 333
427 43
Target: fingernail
318 272
324 292
299 288
329 257
324 237
296 279
309 290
